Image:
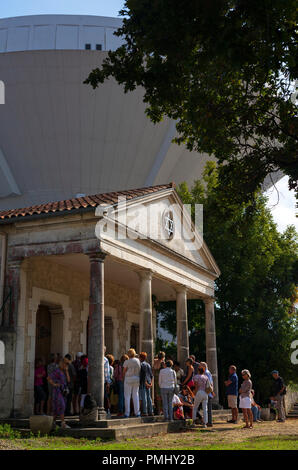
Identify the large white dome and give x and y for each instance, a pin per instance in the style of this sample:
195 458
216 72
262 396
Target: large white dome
60 138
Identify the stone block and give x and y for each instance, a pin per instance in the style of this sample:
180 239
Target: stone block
42 424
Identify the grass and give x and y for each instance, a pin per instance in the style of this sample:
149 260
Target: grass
196 440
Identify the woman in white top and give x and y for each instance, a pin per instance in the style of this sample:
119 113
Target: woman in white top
167 380
131 375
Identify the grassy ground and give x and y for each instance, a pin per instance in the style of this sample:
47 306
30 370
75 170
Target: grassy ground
264 436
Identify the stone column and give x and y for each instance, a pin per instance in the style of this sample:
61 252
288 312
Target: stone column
13 282
146 330
96 331
211 352
182 325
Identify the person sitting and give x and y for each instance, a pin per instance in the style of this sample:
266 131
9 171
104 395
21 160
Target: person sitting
89 410
255 408
177 407
187 399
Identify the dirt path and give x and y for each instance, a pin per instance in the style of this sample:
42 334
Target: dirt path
195 438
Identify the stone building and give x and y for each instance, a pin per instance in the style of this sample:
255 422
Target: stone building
80 274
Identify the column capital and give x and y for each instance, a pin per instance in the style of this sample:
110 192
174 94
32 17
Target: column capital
97 256
181 289
209 301
145 274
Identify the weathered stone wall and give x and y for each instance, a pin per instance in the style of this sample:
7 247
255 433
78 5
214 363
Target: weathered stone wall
291 397
6 373
39 275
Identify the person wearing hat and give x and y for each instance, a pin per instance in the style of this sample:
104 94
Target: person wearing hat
278 392
245 398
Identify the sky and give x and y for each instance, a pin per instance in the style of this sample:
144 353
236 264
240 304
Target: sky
10 8
282 206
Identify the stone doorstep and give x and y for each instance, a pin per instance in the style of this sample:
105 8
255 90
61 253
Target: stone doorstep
23 423
124 432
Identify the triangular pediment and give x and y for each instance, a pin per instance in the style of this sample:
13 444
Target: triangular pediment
162 220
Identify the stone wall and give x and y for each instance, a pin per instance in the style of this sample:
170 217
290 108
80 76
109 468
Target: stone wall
6 373
291 397
45 281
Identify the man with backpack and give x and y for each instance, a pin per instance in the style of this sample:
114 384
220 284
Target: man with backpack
278 393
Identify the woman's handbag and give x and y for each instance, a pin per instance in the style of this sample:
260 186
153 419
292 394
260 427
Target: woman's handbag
208 387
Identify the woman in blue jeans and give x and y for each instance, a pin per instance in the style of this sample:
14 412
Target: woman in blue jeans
167 380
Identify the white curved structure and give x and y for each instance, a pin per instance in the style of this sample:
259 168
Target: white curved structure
60 138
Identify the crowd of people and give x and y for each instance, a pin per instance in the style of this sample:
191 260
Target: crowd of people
134 387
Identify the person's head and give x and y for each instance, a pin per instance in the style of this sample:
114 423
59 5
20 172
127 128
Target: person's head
176 366
201 371
143 356
193 357
203 365
84 362
79 355
232 370
169 363
58 357
189 361
67 358
52 358
186 391
61 364
123 358
110 358
131 353
39 362
275 374
245 374
161 355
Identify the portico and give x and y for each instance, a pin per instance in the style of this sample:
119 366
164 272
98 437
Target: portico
75 266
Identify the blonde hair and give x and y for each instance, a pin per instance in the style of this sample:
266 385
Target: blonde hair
246 371
131 353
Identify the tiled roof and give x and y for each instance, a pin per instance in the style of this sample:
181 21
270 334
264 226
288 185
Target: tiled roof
79 203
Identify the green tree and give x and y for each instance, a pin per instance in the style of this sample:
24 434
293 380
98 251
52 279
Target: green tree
224 70
255 294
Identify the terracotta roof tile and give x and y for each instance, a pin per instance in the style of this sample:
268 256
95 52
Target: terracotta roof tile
79 203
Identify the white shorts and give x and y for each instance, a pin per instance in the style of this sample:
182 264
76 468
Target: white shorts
245 402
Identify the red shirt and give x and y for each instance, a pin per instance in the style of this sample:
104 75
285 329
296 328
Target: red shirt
38 380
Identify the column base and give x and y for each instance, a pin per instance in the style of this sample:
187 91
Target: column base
102 414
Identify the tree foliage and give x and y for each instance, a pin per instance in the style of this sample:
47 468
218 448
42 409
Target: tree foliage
255 294
224 71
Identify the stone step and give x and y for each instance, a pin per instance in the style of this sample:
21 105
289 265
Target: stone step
119 432
124 432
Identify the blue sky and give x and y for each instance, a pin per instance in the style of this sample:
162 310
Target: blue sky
76 7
